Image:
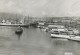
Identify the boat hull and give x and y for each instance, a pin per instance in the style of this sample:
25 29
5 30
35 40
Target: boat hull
76 38
19 31
59 36
69 37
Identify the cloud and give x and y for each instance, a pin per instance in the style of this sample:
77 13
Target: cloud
42 7
10 3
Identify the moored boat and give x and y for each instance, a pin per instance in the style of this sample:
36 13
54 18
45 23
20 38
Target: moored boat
66 35
57 34
74 38
52 28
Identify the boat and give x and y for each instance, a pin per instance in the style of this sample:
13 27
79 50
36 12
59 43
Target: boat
74 38
73 30
65 35
44 29
19 30
55 26
52 28
58 34
59 29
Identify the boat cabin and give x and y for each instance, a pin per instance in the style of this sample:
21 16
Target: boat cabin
55 26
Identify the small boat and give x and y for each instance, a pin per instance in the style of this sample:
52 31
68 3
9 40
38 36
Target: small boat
74 38
44 29
19 30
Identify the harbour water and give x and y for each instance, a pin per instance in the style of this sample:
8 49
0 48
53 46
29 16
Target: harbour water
34 41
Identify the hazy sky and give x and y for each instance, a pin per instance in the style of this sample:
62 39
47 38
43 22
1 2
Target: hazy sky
42 8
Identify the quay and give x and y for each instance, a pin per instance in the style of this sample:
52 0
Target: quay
24 25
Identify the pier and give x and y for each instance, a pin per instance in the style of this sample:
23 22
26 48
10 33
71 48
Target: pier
14 25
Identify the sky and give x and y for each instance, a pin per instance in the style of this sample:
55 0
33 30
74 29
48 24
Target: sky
42 8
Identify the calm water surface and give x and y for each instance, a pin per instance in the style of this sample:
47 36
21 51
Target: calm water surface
34 42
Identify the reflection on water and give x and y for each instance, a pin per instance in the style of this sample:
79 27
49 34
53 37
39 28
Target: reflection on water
35 42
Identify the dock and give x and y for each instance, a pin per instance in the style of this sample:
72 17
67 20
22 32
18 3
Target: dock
24 25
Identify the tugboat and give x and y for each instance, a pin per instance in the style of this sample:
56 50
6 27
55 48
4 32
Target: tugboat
19 30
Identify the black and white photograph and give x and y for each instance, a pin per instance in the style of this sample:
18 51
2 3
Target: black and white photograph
39 27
